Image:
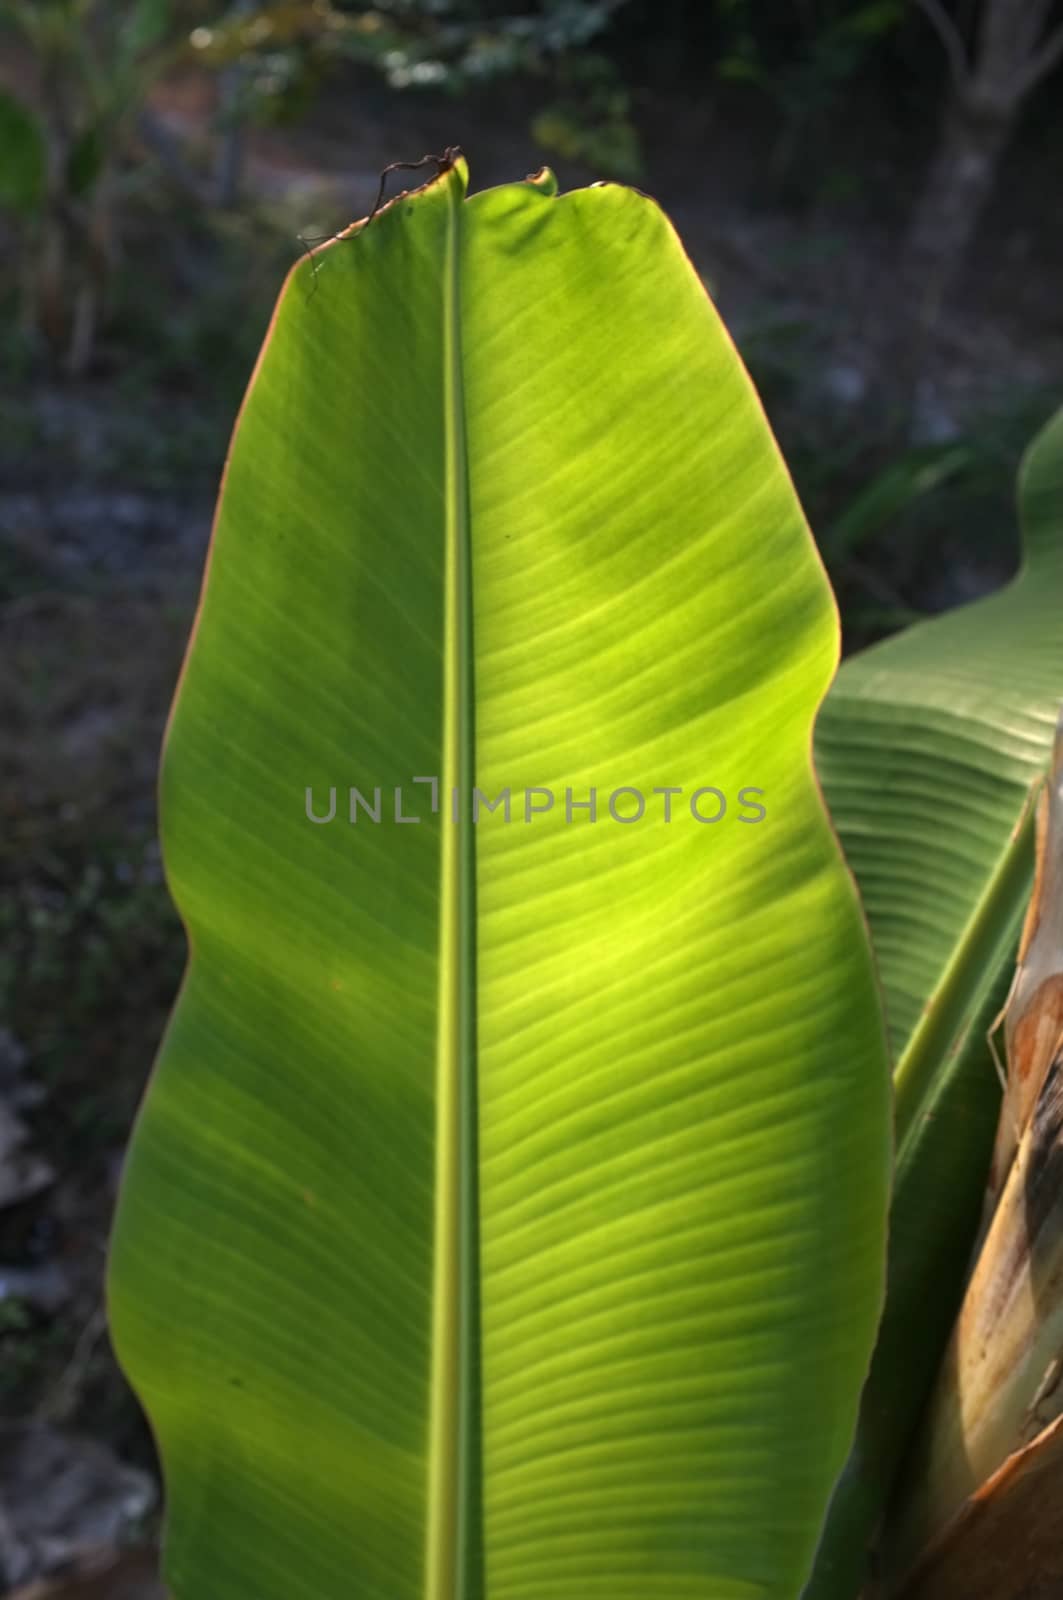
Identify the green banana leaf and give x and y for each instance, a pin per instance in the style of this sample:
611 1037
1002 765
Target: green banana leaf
506 1215
23 171
928 746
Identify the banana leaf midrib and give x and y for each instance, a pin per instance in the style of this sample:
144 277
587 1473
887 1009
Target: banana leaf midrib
453 1564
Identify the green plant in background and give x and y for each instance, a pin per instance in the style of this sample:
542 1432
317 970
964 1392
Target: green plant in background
282 49
505 1217
94 62
933 506
75 140
591 119
461 42
458 42
906 480
835 40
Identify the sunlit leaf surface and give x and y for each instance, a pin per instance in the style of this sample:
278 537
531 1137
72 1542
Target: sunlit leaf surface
506 1215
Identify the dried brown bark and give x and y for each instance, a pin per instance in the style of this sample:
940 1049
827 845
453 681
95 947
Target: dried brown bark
1004 1543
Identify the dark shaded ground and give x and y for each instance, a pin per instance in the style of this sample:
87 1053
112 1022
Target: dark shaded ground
106 489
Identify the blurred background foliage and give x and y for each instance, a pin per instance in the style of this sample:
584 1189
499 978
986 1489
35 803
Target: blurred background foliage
869 190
